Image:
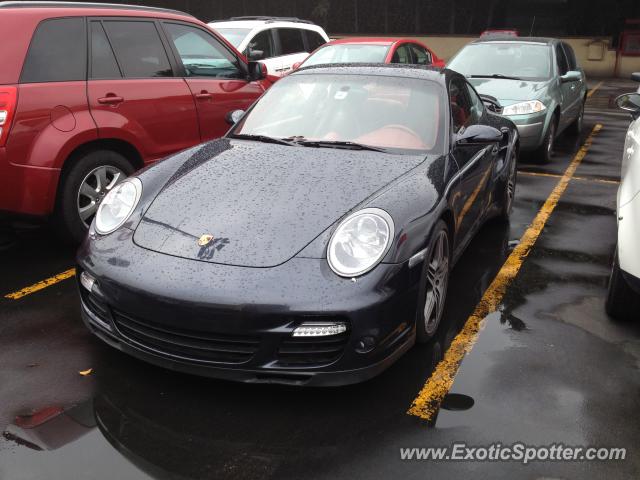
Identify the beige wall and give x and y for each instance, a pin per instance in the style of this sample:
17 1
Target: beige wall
445 46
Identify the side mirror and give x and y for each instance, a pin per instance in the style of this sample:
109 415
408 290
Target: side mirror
296 66
492 103
234 117
257 71
629 102
255 54
635 76
478 135
571 76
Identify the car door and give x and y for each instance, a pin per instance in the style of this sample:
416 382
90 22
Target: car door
132 91
291 48
567 89
475 161
576 89
421 56
214 75
402 54
262 47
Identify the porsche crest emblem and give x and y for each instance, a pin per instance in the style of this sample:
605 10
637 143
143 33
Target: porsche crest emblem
205 240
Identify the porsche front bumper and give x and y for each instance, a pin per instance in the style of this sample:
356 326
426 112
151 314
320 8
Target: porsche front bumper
237 323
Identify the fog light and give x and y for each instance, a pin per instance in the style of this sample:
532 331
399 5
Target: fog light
365 345
319 329
87 281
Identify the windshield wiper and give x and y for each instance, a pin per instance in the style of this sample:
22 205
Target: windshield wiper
495 75
339 144
262 138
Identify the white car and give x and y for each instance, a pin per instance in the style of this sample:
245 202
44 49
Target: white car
623 299
277 42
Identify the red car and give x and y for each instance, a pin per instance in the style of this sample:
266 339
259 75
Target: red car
89 93
373 50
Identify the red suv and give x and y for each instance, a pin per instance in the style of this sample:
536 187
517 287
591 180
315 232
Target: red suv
89 93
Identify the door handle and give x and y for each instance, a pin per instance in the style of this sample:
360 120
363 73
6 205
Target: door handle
110 99
203 95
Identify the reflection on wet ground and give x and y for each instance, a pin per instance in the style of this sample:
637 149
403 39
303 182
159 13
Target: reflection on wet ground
549 367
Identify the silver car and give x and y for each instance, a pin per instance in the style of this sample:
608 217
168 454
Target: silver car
536 82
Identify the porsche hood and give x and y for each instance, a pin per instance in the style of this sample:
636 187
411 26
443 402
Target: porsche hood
254 204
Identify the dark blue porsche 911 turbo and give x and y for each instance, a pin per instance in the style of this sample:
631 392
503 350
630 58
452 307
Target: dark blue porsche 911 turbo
312 244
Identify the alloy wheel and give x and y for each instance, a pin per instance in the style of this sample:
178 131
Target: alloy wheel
437 283
511 183
94 188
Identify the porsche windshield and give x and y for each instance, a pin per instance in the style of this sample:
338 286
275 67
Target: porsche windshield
524 61
392 113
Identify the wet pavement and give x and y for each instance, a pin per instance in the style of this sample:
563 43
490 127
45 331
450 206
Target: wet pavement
549 366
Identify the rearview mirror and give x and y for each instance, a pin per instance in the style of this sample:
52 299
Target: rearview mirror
571 76
234 117
257 71
629 102
478 135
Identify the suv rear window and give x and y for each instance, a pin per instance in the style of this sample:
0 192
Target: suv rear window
290 40
138 48
58 52
103 61
314 40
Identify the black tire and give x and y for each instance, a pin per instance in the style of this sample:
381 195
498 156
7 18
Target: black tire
509 190
423 332
67 220
576 127
622 302
544 153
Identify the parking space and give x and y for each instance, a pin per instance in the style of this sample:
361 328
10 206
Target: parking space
548 366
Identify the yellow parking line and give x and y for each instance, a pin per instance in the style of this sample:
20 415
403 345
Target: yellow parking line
47 282
594 89
555 175
428 401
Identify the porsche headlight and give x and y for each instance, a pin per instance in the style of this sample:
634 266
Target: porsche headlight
522 108
360 242
117 205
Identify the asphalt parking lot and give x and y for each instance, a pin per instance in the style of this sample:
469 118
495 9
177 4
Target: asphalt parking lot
548 367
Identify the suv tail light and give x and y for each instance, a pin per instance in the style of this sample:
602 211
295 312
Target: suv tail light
8 100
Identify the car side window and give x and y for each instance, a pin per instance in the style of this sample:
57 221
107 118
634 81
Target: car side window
477 105
421 55
138 48
561 60
571 56
290 40
314 40
58 52
402 55
201 54
103 60
261 46
461 111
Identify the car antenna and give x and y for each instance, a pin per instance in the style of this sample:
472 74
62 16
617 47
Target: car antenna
533 22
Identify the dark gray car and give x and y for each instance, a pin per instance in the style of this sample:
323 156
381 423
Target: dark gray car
536 82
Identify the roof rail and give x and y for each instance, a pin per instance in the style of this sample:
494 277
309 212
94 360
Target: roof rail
266 19
88 5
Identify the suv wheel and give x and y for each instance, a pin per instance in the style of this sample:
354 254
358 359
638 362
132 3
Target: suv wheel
84 186
622 302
